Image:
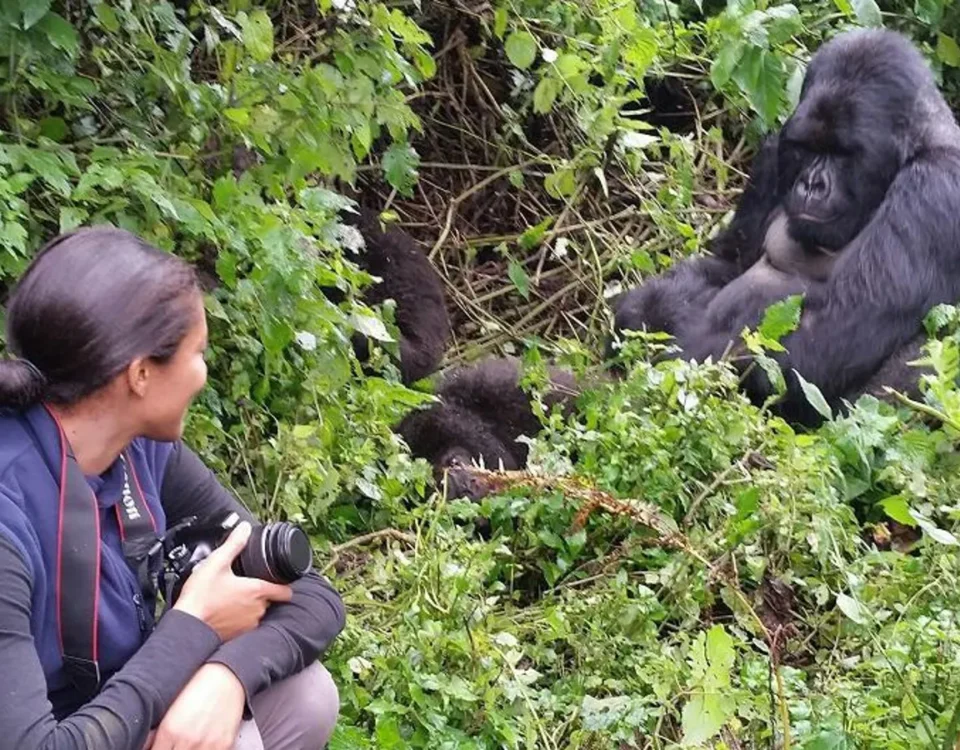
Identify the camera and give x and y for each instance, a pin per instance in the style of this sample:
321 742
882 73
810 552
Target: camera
278 552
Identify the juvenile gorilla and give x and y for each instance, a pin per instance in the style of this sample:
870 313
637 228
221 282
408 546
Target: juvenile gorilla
853 203
413 283
482 412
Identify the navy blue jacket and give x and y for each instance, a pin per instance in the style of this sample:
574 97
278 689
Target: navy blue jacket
174 484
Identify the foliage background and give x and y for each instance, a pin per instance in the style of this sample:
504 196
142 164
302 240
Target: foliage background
545 153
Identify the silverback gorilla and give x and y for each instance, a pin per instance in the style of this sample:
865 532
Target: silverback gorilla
408 278
854 203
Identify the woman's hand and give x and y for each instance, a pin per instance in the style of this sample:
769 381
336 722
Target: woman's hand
230 604
206 715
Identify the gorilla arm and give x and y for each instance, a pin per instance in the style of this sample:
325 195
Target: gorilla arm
741 243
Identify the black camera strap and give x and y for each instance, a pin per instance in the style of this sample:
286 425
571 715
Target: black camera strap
78 561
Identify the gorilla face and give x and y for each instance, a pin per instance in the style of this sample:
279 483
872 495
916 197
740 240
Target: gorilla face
837 156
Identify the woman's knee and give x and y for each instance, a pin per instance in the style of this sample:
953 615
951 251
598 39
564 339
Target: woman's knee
321 704
300 712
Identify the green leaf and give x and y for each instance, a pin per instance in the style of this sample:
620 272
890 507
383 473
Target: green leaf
350 738
370 326
50 169
773 372
569 65
747 501
107 17
642 51
561 183
238 115
929 12
32 11
710 707
827 740
545 94
533 236
897 508
500 22
388 734
815 397
640 259
72 217
720 652
867 12
783 23
938 535
844 7
764 84
519 278
795 86
400 164
703 717
724 63
521 49
276 333
60 33
953 729
852 609
54 128
257 29
948 51
781 318
425 63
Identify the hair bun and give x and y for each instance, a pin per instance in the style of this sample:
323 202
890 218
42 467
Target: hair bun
21 383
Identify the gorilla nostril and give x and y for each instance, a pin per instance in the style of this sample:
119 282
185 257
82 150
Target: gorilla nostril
814 187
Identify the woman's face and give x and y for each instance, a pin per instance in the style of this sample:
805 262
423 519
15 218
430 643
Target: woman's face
172 385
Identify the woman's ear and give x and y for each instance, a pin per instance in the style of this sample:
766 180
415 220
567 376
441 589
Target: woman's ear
138 376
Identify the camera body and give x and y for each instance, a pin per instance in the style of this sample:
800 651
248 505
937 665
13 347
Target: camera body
278 552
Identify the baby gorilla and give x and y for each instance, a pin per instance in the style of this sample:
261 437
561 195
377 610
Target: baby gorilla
411 281
482 412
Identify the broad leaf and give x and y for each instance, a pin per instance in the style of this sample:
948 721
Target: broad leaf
852 609
781 318
897 508
257 34
500 22
400 164
370 326
521 49
948 51
934 532
519 278
868 12
60 33
725 62
32 11
815 397
545 94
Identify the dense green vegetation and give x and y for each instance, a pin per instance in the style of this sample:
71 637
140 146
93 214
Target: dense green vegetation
681 569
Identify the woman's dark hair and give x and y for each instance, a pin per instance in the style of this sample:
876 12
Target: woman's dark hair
91 302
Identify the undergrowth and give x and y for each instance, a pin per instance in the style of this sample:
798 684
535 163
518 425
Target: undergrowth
678 568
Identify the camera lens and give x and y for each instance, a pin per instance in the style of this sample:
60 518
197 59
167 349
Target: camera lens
277 552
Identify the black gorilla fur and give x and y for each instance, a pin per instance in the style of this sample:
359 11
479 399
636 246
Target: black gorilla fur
482 412
408 278
874 150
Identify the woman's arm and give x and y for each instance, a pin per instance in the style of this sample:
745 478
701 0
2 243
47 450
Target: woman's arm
292 634
131 701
